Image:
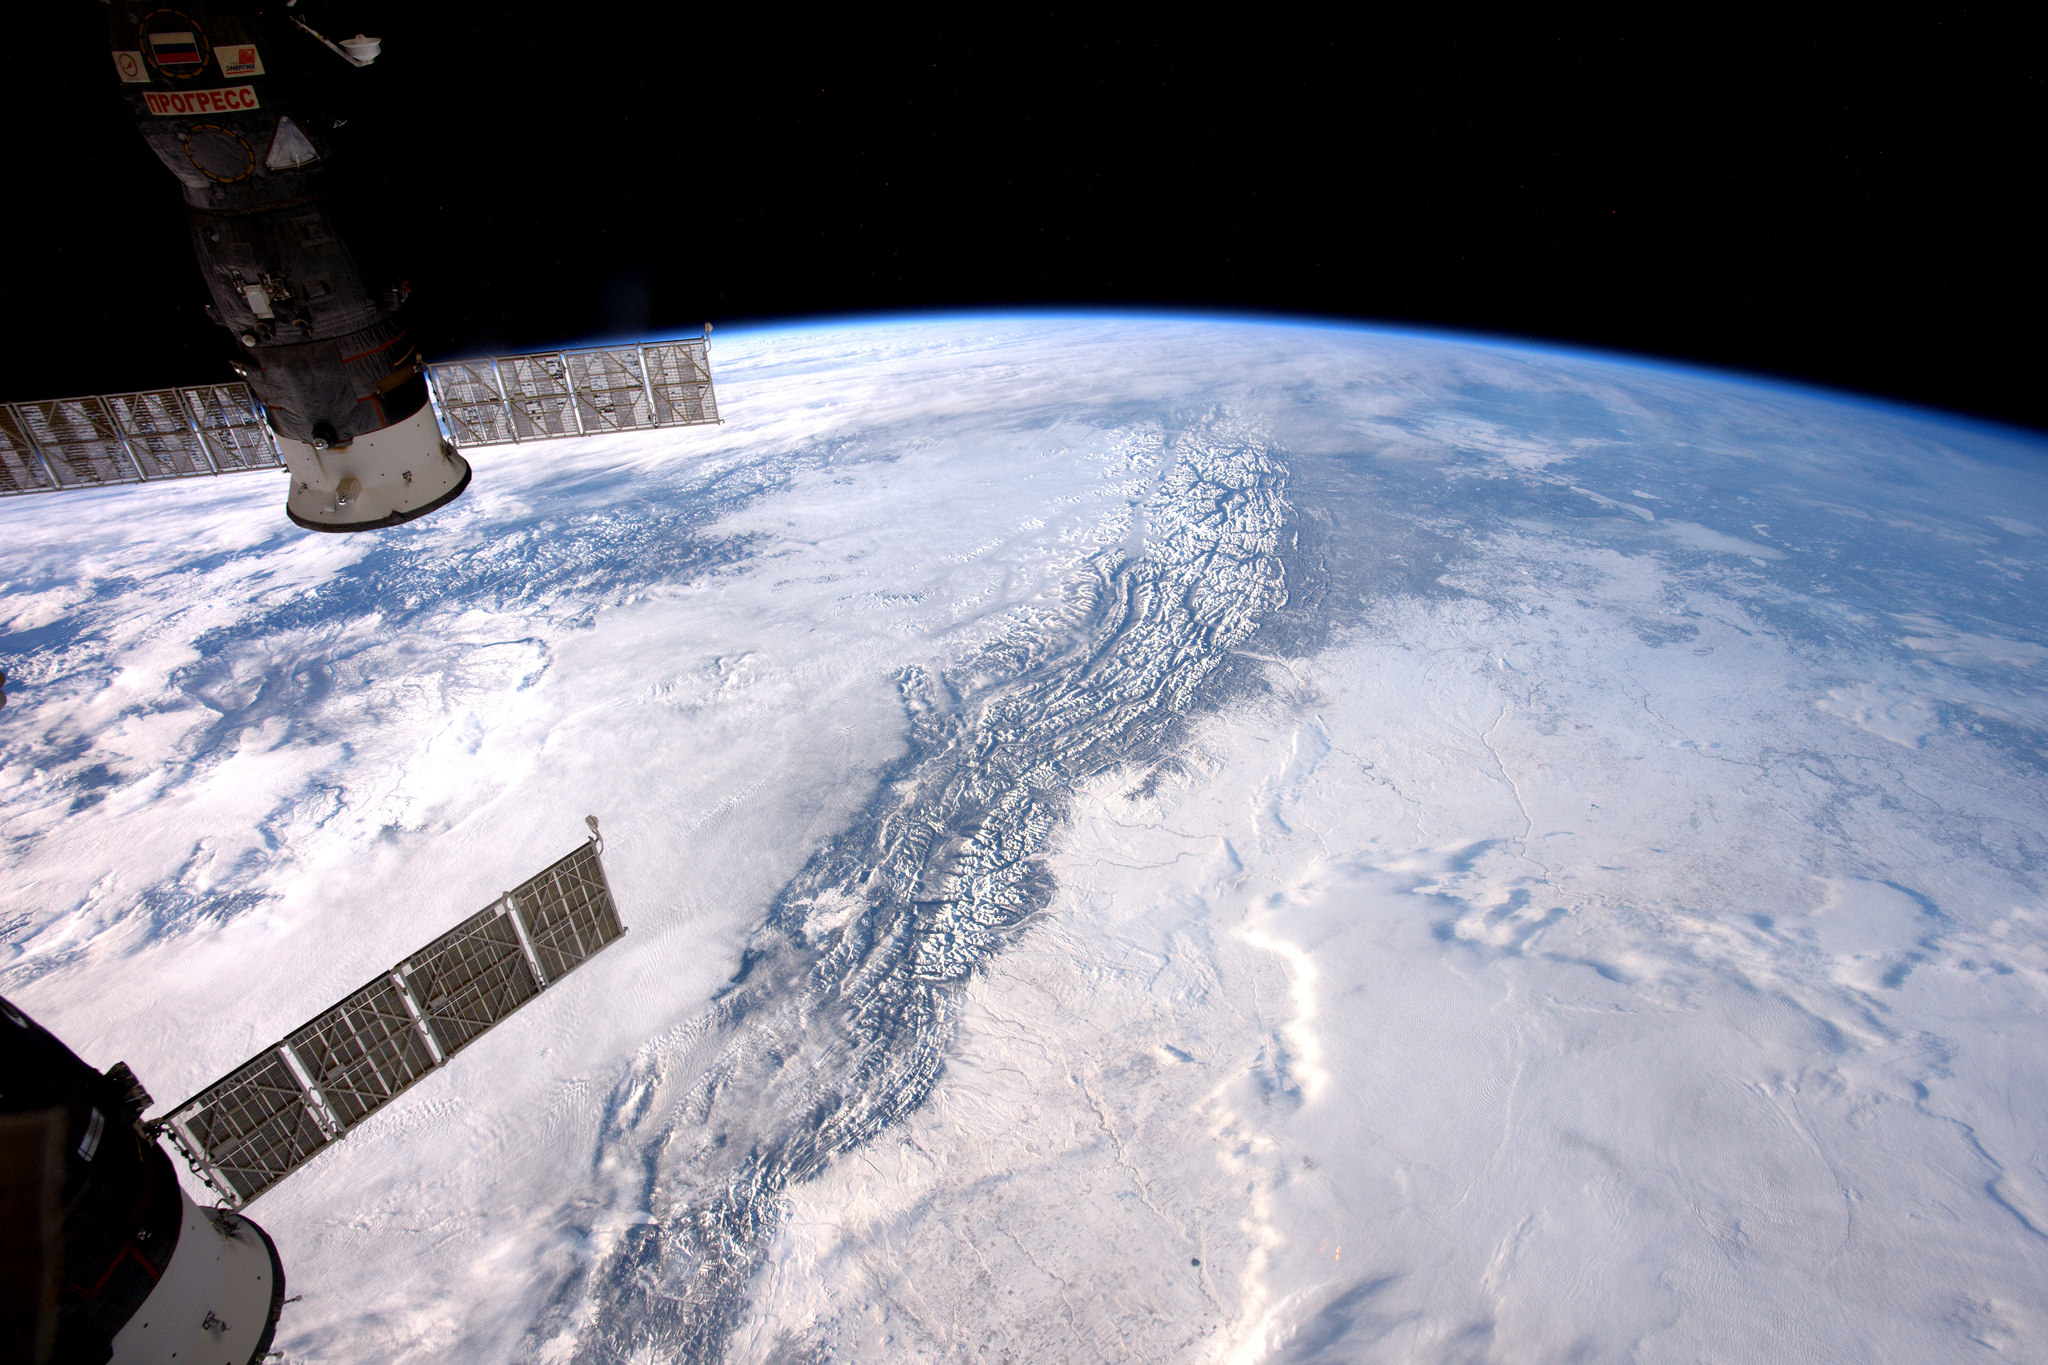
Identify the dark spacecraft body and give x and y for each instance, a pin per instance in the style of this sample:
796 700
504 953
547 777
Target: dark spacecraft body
224 95
108 1258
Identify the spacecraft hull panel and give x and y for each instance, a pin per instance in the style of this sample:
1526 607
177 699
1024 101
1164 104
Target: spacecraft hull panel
221 1293
381 478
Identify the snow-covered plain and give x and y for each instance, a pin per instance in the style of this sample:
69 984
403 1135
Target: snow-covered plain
1142 839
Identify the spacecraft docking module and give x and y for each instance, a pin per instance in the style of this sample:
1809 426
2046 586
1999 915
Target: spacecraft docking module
102 1231
223 97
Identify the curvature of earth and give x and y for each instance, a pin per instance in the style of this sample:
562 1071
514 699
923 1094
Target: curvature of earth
1143 838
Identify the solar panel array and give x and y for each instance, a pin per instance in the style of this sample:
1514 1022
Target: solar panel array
501 400
60 443
569 914
100 439
276 1111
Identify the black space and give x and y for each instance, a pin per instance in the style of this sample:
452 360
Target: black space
1841 202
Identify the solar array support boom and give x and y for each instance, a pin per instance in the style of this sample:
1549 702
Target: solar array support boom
285 1105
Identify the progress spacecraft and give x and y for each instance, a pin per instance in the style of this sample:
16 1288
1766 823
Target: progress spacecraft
105 1257
220 96
236 98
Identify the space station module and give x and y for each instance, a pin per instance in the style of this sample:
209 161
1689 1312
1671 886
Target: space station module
228 96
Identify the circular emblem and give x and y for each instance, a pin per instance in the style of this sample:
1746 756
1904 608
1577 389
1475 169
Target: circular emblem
219 153
174 45
129 65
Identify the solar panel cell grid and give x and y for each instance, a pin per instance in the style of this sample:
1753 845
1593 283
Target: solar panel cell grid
467 392
569 912
363 1051
542 403
236 436
21 471
470 978
78 441
254 1125
608 386
160 435
572 393
267 1117
679 374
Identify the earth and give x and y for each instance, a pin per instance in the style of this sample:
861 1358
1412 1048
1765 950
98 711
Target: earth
1152 838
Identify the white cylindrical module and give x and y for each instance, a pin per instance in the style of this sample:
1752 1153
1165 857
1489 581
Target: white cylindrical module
217 1301
380 478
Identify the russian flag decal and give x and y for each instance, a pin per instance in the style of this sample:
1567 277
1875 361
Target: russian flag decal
176 51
